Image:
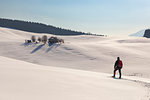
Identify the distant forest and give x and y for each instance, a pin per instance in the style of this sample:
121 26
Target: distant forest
37 27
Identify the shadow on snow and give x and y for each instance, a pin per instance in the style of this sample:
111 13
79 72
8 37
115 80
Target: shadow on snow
51 46
36 49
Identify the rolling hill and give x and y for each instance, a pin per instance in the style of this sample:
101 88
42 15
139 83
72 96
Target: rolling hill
79 69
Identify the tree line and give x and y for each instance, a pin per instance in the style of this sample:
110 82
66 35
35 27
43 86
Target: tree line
39 27
36 27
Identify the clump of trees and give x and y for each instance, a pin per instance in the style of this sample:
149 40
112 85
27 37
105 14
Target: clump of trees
52 40
44 39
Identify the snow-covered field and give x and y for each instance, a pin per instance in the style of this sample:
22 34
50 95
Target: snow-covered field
79 69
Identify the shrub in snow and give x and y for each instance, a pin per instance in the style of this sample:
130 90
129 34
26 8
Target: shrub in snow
27 41
61 41
33 38
44 39
39 39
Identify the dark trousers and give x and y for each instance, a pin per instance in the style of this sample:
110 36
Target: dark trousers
119 69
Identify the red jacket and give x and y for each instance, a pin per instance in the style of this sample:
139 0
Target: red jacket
118 63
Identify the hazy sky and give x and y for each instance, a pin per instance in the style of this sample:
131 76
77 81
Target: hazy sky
97 16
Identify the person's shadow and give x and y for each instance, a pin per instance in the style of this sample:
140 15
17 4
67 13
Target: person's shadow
36 49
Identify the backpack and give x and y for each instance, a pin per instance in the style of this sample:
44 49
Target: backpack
119 63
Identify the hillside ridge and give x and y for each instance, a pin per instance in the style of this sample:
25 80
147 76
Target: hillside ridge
37 27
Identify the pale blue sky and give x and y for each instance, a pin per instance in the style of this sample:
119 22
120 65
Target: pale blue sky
121 17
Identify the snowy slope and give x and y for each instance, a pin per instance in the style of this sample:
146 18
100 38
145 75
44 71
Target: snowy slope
25 81
90 53
69 71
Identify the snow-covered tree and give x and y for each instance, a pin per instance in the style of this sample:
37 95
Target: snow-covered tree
44 39
33 38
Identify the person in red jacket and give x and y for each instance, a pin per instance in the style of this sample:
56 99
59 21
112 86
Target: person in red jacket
118 66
